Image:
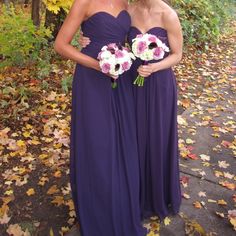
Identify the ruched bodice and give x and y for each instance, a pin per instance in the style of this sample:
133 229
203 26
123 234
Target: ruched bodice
103 28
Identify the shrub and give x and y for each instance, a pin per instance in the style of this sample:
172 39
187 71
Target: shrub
56 6
21 42
203 20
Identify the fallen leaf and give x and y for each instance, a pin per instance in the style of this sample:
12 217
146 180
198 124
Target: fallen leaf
197 205
202 194
222 202
223 164
16 230
167 221
204 157
30 192
53 189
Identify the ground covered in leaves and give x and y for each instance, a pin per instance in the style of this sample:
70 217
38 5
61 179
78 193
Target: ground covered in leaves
34 148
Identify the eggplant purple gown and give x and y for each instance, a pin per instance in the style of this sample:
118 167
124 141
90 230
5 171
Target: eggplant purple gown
104 166
156 114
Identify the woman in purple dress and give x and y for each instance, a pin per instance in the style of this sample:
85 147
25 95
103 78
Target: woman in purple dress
156 110
104 167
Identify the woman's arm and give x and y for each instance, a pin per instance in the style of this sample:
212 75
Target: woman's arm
175 37
70 26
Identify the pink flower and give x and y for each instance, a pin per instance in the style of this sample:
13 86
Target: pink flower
159 53
119 54
139 36
152 39
106 68
111 45
125 66
99 56
141 46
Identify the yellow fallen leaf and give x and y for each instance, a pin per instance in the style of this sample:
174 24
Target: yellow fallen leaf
51 232
191 226
58 200
151 233
35 142
9 192
212 201
43 180
222 202
30 192
20 143
167 221
53 190
43 156
189 141
26 134
233 222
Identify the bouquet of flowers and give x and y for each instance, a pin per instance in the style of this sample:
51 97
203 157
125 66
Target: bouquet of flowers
147 47
115 59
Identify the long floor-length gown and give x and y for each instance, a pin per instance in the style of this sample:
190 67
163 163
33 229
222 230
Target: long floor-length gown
156 114
104 167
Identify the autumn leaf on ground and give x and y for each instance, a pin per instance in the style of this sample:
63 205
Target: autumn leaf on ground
30 192
192 227
155 226
167 221
4 219
228 185
197 205
53 189
57 174
220 214
189 141
232 218
16 230
222 202
202 194
223 164
211 201
51 232
151 233
58 200
184 181
204 157
186 196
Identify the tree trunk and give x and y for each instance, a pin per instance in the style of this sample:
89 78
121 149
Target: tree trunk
54 21
35 12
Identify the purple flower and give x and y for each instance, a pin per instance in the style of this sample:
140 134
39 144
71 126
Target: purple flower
125 66
141 46
119 54
106 68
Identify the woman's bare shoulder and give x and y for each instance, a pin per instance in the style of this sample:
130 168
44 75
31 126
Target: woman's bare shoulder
170 17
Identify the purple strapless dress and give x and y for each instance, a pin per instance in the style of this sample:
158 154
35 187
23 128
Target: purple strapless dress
104 167
156 115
